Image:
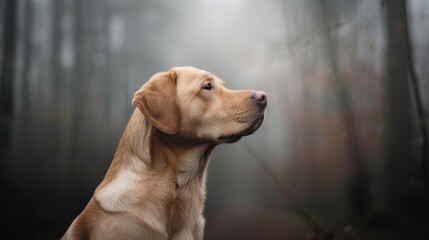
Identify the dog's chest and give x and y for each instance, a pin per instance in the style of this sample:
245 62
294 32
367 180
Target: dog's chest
186 208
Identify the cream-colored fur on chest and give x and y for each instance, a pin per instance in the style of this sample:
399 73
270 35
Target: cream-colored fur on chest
175 207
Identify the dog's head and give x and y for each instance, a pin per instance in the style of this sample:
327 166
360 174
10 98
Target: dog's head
194 104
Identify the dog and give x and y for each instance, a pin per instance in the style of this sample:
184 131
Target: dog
155 185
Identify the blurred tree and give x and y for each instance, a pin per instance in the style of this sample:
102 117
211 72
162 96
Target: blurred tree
80 17
57 20
27 50
7 104
6 84
420 111
359 186
398 118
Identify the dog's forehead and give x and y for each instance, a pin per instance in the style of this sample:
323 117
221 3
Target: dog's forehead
194 75
191 73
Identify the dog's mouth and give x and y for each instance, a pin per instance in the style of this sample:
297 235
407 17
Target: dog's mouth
249 130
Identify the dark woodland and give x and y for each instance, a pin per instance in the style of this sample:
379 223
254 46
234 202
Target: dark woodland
343 150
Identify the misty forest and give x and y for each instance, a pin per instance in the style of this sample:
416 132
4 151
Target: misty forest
342 152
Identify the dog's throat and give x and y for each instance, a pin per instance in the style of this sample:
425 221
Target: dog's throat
187 171
192 166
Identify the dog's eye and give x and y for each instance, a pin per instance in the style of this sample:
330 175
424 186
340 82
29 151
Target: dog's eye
208 86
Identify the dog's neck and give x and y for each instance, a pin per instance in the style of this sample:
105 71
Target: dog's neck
188 161
145 143
191 167
142 153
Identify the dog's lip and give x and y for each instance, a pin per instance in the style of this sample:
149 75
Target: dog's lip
251 129
254 126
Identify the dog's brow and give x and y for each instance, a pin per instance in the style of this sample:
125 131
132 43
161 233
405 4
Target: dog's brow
211 78
208 77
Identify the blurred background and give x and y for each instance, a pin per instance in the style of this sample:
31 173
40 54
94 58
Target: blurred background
343 150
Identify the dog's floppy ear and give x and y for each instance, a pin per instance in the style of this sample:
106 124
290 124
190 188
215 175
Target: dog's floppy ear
157 101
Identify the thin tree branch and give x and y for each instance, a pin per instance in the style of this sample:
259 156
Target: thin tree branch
286 191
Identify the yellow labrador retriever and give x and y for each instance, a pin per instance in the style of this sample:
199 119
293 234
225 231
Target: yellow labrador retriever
155 186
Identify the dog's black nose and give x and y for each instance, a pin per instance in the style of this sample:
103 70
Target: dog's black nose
260 97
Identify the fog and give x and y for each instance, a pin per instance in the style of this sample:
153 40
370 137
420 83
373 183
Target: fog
321 166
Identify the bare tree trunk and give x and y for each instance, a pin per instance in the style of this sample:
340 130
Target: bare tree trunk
77 89
420 111
359 187
56 46
57 84
6 84
6 109
398 115
27 51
